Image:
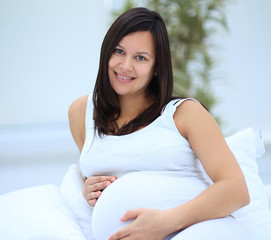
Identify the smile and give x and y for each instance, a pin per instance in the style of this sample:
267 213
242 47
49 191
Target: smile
124 79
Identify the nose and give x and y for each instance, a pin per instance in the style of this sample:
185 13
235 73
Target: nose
126 64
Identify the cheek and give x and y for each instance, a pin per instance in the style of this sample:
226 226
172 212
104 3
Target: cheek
148 73
112 62
111 65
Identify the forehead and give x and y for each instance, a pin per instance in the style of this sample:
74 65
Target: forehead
139 41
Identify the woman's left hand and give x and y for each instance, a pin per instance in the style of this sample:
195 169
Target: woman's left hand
149 224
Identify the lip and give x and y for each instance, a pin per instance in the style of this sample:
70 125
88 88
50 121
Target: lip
123 78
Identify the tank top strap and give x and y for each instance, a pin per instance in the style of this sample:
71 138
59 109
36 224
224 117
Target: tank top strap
170 109
89 125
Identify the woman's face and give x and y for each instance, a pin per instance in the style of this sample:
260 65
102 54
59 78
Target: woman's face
131 66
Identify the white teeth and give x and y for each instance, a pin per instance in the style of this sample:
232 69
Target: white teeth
124 77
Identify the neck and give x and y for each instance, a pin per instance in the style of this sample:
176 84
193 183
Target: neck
131 107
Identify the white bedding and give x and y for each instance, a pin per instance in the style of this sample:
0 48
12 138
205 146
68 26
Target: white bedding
37 213
49 212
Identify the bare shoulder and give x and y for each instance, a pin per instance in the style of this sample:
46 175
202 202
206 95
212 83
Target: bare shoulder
191 115
76 115
189 105
78 106
206 139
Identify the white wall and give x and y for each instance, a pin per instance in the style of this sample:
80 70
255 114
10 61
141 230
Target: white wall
49 54
244 87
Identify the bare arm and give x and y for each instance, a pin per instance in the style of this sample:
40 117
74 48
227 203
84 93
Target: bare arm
229 191
76 113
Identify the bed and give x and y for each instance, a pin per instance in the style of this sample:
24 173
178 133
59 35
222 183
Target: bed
50 212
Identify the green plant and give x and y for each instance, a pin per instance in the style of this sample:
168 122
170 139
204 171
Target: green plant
191 25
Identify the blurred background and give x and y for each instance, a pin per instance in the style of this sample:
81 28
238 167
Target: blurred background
49 55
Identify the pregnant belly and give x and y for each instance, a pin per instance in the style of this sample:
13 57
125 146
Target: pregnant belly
159 190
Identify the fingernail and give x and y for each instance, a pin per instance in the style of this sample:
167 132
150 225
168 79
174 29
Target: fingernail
92 202
113 179
107 183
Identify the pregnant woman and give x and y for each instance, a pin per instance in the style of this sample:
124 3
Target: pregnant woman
142 150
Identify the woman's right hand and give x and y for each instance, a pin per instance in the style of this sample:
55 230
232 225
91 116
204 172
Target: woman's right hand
94 186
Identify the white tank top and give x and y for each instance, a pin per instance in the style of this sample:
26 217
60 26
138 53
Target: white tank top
155 167
156 147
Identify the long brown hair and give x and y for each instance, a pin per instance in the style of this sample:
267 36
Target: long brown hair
106 103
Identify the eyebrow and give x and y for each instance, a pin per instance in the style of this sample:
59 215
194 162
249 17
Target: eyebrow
141 53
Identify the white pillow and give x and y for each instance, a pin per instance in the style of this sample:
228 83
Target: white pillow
71 189
267 188
246 145
37 213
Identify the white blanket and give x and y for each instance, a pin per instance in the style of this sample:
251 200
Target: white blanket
37 213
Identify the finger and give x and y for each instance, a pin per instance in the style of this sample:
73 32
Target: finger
97 187
94 191
89 196
92 202
113 178
93 195
131 214
122 234
98 179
